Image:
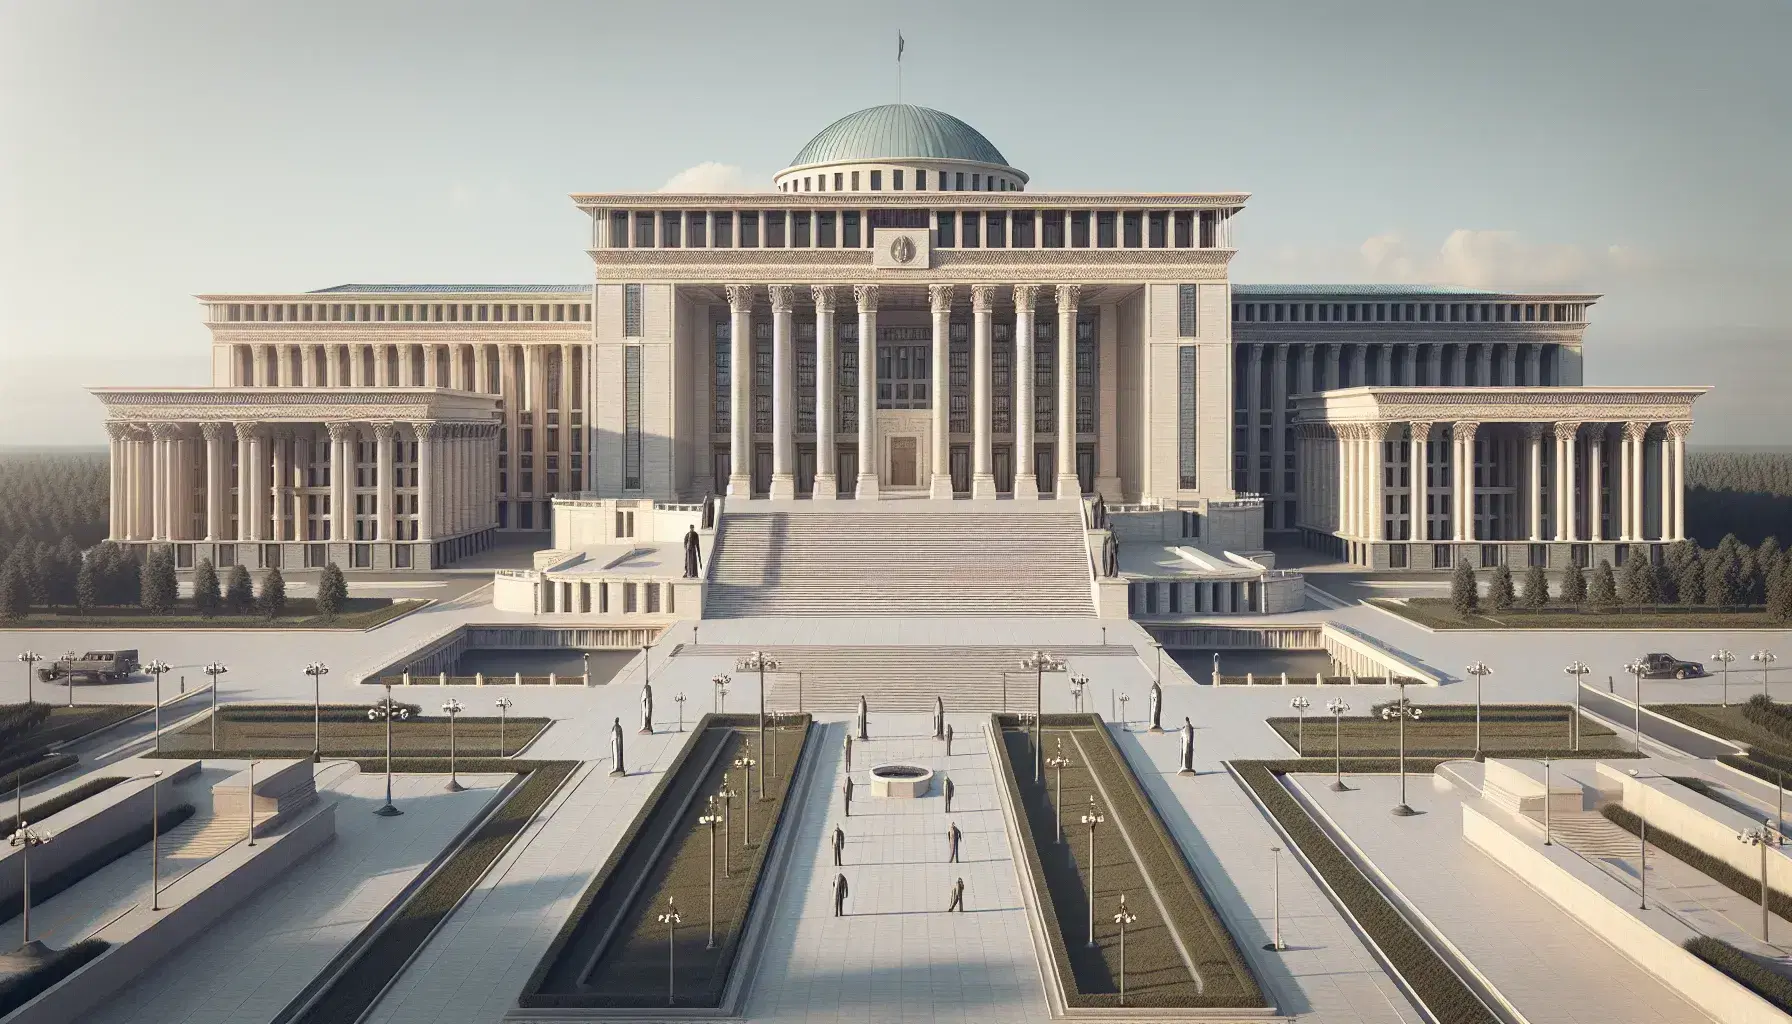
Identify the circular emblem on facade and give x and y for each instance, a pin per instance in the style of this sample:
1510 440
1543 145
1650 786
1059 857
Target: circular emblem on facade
902 250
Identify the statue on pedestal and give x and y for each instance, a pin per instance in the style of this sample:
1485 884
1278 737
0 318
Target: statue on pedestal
1188 748
693 555
646 709
864 719
1157 707
948 740
618 768
939 718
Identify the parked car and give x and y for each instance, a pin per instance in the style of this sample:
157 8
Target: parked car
1666 666
104 666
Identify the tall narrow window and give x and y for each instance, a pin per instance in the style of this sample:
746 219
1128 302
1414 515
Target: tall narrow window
1185 229
749 230
724 230
671 221
631 419
695 233
1156 226
799 229
920 181
631 311
971 220
1079 229
1187 311
947 236
877 181
1023 229
1185 418
824 230
722 381
1104 230
997 223
896 180
774 229
849 222
643 229
1133 228
618 230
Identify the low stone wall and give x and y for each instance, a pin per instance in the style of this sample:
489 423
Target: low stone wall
440 653
1654 943
1708 825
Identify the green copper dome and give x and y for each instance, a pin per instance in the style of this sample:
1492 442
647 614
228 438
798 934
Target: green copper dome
898 131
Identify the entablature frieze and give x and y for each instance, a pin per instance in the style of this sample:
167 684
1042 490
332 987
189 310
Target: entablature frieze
1552 405
860 201
295 405
320 332
1409 333
965 266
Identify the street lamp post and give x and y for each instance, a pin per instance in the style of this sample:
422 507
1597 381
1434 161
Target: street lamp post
745 764
252 765
678 699
157 668
216 669
1763 836
317 670
25 838
30 660
711 819
585 667
671 920
1723 657
1077 684
69 684
1636 668
503 705
759 662
452 708
1157 675
719 690
1765 658
1058 762
1300 706
1124 700
1480 671
1402 710
386 710
726 795
1040 663
1092 819
155 841
1578 669
1548 830
1123 918
1338 707
1275 943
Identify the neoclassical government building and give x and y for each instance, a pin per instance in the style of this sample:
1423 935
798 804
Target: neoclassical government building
901 315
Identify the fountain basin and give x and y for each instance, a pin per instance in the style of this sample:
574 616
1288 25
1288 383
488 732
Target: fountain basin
900 781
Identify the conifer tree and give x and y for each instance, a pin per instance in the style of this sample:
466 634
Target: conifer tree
272 600
87 585
1602 592
1500 595
332 592
1465 594
239 597
1574 585
15 598
206 598
158 585
1536 587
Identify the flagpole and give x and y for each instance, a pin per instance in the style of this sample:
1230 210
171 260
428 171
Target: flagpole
899 46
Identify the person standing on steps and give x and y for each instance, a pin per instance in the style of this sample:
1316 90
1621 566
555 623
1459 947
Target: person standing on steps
948 788
693 555
846 796
953 835
840 893
839 844
957 897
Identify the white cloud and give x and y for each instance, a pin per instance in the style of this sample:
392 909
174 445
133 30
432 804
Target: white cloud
710 176
1472 258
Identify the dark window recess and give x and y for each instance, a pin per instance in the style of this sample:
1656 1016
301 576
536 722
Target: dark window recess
900 218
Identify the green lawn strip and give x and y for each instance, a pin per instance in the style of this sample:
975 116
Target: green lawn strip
1437 613
47 765
630 968
360 613
1448 730
44 888
1157 975
18 989
353 991
1744 969
288 731
1739 882
1429 976
60 802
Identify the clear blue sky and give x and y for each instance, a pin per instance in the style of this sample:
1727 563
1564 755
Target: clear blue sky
152 151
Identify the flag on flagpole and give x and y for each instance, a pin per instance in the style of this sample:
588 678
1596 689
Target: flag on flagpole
900 44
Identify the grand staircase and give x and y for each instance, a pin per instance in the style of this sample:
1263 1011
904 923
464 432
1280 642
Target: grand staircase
820 678
931 558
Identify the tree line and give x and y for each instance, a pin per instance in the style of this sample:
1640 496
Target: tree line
1731 575
1748 494
47 496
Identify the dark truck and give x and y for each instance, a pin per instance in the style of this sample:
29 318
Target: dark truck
1666 666
103 666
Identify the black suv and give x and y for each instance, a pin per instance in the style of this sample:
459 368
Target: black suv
1666 666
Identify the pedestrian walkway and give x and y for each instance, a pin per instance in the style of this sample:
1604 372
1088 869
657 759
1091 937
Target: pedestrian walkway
897 955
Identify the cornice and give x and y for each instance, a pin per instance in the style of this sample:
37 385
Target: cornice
1529 333
774 200
276 405
963 266
1570 405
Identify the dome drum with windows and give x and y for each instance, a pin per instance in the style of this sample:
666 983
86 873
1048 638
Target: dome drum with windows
900 147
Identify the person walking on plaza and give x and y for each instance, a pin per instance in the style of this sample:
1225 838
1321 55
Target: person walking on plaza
957 897
840 893
849 751
948 739
864 718
839 844
846 796
953 835
948 788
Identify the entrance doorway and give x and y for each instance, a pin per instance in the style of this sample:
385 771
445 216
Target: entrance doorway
1043 461
1085 467
904 452
846 461
762 470
961 468
1004 469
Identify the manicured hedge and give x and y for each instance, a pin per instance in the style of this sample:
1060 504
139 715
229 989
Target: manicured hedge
327 713
1759 763
1740 882
1768 716
1431 979
46 887
18 989
1744 969
19 721
61 802
353 991
49 764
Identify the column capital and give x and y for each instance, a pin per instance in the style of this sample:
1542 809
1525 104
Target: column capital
1068 296
164 431
426 431
983 298
939 298
825 298
783 297
118 430
340 432
246 432
740 298
1025 295
1636 431
1376 430
1566 431
212 430
382 432
1678 429
1421 429
1533 432
1465 429
865 295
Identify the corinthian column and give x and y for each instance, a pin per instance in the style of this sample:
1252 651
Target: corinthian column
161 486
1565 472
740 396
866 297
246 449
1464 464
983 480
1533 435
1376 503
426 492
214 480
1595 481
827 387
1069 488
118 440
783 393
282 475
940 297
1676 526
1635 519
1418 457
342 471
1026 479
382 484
